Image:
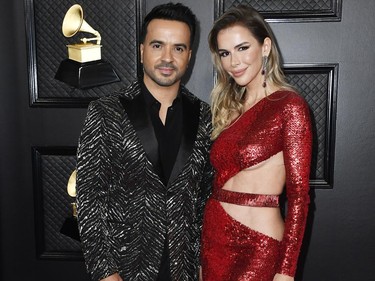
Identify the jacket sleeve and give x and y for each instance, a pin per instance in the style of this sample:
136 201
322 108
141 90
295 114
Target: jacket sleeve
93 179
297 145
207 176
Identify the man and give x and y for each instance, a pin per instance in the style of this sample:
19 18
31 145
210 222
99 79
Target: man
143 168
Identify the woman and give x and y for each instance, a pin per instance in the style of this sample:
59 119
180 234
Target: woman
262 135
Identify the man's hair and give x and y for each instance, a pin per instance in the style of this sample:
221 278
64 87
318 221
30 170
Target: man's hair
174 12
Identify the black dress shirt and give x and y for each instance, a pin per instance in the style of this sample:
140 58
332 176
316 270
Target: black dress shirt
168 136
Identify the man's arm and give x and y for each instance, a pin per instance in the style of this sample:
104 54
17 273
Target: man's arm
93 178
208 172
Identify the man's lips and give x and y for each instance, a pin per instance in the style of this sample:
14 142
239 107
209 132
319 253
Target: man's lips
166 70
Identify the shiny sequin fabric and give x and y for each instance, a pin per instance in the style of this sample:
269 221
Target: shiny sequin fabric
245 199
231 250
124 209
234 252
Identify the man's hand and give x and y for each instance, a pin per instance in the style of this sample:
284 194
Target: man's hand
113 277
281 277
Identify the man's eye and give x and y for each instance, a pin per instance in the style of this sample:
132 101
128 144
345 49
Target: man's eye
179 49
156 46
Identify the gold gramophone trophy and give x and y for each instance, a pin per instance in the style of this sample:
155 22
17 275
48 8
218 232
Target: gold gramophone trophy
70 226
84 67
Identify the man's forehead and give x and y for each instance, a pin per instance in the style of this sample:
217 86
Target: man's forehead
161 27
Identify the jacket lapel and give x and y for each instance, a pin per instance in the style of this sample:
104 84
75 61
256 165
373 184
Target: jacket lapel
191 110
138 116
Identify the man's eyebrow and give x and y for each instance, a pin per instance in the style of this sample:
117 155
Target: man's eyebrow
182 45
156 41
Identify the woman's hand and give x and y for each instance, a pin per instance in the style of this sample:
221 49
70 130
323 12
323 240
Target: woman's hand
282 277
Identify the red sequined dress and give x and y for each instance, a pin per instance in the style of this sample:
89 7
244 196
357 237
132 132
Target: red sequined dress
232 251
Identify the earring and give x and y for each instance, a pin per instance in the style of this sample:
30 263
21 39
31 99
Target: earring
264 70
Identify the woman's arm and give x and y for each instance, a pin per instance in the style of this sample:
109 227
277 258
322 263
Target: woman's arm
297 146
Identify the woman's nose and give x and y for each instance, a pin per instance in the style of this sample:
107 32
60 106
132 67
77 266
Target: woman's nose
234 60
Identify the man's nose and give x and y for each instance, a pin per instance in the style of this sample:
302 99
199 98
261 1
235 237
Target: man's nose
167 54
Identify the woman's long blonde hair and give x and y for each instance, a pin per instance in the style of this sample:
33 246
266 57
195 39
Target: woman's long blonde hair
227 96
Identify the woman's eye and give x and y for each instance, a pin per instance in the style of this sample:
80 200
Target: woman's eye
223 54
243 48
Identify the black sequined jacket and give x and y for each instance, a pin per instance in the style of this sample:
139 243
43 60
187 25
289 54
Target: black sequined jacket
123 207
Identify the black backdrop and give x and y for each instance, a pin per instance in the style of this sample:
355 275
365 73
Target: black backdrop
339 245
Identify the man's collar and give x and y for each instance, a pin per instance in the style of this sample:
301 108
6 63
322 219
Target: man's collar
151 100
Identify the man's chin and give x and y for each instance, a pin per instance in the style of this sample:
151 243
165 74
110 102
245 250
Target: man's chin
164 81
167 82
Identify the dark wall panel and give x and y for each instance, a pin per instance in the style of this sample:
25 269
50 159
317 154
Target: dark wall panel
116 21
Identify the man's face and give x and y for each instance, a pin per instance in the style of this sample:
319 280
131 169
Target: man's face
165 52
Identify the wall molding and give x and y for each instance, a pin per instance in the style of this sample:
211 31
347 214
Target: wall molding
289 11
52 167
317 83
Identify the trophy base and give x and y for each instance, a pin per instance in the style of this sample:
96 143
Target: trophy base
70 228
86 75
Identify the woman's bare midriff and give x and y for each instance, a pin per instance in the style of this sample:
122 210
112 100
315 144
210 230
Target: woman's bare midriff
267 177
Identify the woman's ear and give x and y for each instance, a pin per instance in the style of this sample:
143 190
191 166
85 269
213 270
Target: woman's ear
267 45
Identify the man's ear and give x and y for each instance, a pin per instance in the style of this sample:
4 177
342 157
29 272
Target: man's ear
141 51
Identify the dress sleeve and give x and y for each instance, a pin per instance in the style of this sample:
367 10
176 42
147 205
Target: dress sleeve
93 179
297 146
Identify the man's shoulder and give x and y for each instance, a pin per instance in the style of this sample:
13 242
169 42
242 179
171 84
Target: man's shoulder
127 92
130 91
203 109
193 98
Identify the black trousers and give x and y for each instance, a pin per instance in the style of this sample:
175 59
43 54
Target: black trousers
164 271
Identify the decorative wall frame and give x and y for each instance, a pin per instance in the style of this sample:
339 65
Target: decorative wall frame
117 21
318 84
288 10
52 167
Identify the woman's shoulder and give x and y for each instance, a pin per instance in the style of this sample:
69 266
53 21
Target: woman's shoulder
287 97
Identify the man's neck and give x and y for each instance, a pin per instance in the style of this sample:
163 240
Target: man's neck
163 94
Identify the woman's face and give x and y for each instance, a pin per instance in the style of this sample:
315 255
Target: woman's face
241 55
